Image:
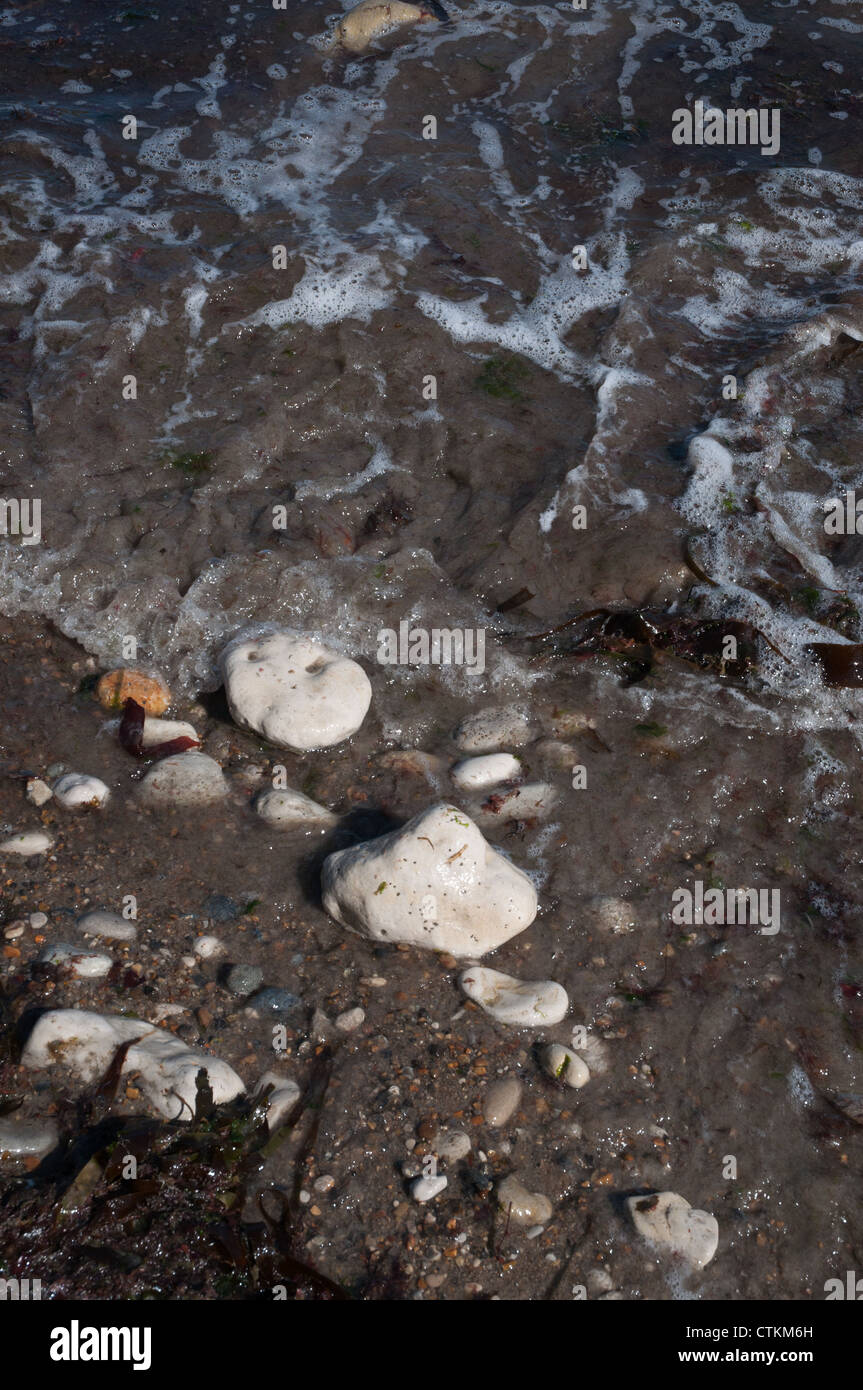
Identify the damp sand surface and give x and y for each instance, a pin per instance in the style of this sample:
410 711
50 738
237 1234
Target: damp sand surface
301 388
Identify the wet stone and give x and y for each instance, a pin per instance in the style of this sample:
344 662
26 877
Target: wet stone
244 979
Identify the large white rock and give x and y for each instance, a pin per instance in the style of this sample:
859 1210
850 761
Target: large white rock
166 1068
521 1003
296 692
287 808
667 1221
434 883
78 789
183 779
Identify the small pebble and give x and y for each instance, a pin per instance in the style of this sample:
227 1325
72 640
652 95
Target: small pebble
475 774
109 925
325 1183
522 1207
244 979
425 1189
564 1065
279 1002
12 933
87 964
520 1003
350 1020
207 946
77 789
451 1145
38 920
501 1101
38 791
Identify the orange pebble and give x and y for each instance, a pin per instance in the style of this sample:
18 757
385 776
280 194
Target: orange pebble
116 687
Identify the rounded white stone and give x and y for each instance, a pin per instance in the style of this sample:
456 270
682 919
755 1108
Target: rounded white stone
26 843
183 779
474 774
667 1221
284 808
165 731
522 1208
425 1189
85 963
109 925
166 1069
564 1065
294 691
78 789
435 883
490 729
520 1003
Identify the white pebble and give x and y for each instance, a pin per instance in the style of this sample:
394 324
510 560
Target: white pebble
520 1003
287 808
26 843
86 964
476 773
207 946
295 691
523 1208
501 1101
425 1189
38 919
78 789
565 1065
183 779
666 1220
109 925
451 1145
490 729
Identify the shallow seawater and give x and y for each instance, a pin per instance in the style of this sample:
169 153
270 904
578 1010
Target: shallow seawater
216 346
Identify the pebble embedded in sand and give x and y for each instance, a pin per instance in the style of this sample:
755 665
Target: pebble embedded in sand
562 1064
184 779
501 1101
205 947
426 1189
294 691
109 925
166 1069
373 18
522 1208
520 1003
435 883
666 1220
116 687
350 1020
288 808
488 730
614 915
78 789
83 961
532 801
451 1145
26 843
475 774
